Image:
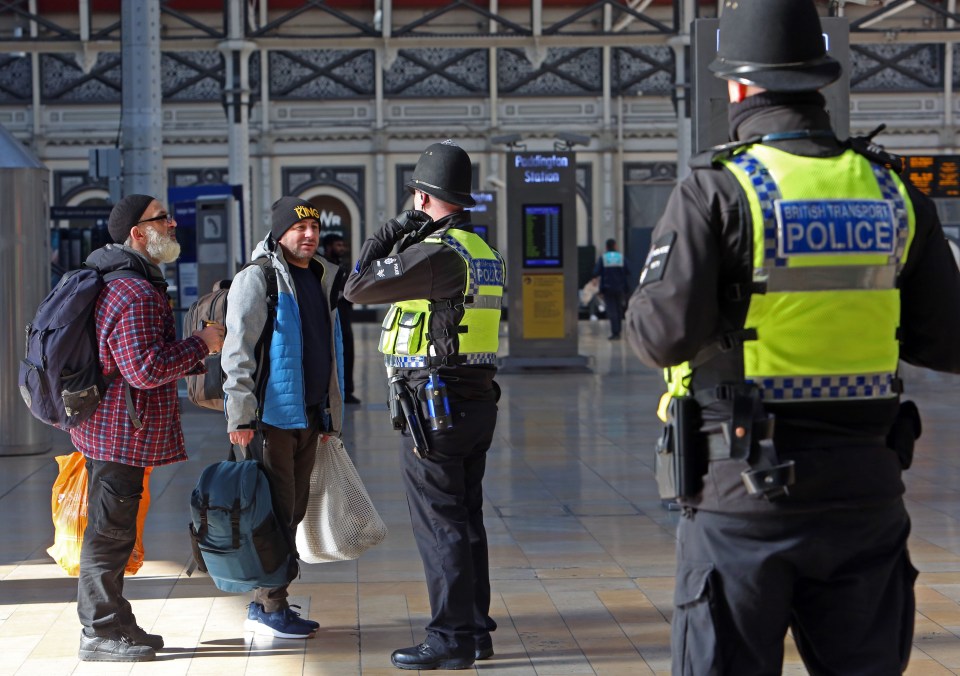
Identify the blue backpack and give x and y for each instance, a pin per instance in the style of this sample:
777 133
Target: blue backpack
61 379
237 539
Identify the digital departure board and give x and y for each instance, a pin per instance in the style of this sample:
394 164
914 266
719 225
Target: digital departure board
542 236
934 175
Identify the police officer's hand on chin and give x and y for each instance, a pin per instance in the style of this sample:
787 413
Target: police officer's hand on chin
406 222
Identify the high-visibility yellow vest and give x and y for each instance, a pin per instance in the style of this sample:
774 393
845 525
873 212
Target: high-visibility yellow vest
830 236
405 338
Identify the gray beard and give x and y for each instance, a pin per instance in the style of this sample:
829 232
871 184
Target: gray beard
161 248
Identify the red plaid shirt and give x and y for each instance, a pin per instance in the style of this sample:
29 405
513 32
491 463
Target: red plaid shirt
136 335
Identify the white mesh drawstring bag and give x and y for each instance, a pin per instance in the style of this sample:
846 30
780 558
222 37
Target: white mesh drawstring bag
341 521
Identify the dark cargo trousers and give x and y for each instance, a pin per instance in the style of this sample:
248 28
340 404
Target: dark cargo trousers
287 457
113 500
445 498
840 579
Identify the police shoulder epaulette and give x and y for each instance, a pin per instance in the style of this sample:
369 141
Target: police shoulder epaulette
864 145
717 154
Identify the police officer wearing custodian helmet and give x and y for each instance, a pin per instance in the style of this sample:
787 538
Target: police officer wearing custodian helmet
787 276
439 341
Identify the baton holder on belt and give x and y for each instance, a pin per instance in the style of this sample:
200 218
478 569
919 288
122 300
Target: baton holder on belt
400 392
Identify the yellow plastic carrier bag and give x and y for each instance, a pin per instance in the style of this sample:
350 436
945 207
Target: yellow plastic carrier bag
69 503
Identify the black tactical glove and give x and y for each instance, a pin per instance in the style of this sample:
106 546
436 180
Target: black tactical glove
406 222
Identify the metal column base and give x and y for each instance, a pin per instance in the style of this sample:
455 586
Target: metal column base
576 364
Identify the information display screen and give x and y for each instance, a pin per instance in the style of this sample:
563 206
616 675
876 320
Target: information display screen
542 236
934 175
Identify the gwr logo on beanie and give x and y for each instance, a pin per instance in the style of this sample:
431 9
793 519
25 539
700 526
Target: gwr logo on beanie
125 215
289 210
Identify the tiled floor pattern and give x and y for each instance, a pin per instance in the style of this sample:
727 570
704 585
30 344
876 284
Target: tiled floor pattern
581 551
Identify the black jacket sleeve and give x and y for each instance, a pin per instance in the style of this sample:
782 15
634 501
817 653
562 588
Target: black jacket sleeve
420 271
929 295
675 310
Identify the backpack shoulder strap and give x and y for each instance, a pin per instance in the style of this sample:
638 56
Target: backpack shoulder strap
127 395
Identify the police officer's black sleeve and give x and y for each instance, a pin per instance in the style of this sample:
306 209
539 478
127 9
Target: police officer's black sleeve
930 295
420 271
674 310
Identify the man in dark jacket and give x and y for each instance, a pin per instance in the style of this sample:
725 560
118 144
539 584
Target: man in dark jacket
137 425
446 286
334 250
612 271
788 275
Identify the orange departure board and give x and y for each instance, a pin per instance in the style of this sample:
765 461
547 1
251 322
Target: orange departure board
934 175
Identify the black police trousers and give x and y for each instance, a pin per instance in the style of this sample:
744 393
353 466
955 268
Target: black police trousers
840 579
445 498
113 500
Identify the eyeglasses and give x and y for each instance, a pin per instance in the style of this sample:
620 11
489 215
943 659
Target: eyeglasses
166 218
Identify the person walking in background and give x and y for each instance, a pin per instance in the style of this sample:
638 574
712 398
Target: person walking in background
789 274
611 270
300 395
334 249
137 424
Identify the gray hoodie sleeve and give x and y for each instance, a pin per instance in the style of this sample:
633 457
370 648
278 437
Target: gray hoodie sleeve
246 316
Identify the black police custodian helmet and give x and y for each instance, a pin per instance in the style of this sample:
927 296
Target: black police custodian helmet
774 44
444 171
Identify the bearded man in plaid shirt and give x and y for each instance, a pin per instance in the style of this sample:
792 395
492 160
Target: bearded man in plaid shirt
137 424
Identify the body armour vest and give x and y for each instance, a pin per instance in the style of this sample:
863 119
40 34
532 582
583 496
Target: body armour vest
830 236
419 333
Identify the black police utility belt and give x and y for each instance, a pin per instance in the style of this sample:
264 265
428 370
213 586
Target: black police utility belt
684 450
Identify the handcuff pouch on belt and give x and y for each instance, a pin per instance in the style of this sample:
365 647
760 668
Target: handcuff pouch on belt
748 436
683 450
681 457
405 414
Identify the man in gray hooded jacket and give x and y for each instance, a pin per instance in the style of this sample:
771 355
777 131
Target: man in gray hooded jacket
280 421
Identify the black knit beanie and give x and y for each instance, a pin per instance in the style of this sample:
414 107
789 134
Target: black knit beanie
289 210
125 215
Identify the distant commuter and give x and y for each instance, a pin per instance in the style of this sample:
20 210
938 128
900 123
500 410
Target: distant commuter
611 269
334 249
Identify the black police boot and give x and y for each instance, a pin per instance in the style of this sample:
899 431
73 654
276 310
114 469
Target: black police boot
425 657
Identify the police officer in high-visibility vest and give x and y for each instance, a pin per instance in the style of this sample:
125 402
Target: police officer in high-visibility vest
788 274
439 340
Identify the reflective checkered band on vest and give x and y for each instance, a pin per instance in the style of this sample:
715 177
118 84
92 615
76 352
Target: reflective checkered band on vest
473 288
831 278
889 190
421 362
485 303
767 192
812 388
